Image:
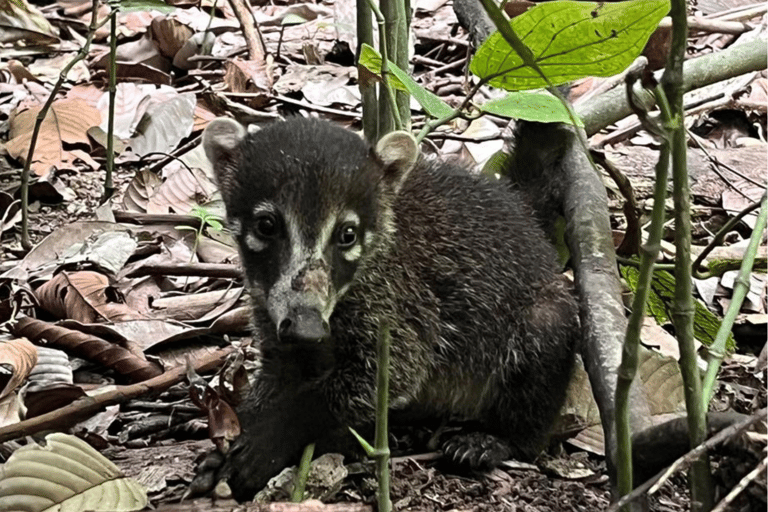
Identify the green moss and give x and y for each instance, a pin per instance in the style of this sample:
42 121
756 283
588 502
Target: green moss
659 305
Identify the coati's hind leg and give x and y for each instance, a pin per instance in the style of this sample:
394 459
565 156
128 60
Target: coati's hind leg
532 386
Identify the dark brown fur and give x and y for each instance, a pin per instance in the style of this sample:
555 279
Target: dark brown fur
484 327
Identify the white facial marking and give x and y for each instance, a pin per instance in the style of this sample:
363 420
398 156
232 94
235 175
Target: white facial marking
352 254
254 243
324 236
264 207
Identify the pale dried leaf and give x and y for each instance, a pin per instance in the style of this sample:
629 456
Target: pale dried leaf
67 475
140 189
10 407
53 367
182 191
163 126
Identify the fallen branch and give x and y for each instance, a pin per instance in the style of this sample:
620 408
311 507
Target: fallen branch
651 486
86 407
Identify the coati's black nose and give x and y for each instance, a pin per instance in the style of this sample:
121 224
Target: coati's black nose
303 325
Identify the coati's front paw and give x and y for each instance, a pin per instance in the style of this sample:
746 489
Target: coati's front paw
476 450
245 469
206 475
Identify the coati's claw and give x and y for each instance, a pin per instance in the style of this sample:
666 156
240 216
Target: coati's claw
477 450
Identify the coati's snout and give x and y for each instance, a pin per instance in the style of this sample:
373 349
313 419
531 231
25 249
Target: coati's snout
300 304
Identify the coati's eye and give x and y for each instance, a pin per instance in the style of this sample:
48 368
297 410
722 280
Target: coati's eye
266 226
347 236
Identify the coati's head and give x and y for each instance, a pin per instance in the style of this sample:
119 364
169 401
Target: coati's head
310 204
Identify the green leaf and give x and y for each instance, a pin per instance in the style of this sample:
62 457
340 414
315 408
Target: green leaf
570 40
399 79
146 5
369 450
496 165
530 106
292 19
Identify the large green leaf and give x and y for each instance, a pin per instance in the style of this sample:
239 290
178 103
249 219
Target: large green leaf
530 106
431 103
570 40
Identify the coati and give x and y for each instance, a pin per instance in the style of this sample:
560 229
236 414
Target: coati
337 237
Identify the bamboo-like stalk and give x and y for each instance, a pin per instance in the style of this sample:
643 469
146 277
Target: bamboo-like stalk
367 90
109 187
629 358
381 441
302 472
716 351
699 477
389 118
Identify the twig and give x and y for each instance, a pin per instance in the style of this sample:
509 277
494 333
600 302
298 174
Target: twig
680 463
711 25
308 106
739 488
743 12
704 447
218 270
717 163
256 49
86 407
632 238
720 236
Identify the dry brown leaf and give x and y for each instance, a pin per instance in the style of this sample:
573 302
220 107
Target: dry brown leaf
67 122
44 399
249 77
18 357
140 189
183 190
22 22
84 296
169 35
88 347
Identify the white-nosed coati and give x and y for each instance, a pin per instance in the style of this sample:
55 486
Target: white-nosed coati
337 237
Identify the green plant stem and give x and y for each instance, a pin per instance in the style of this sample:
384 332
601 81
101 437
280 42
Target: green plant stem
382 424
430 126
367 90
683 309
109 187
716 351
92 28
396 36
389 118
629 360
720 237
302 473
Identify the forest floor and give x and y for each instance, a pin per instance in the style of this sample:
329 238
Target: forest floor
119 294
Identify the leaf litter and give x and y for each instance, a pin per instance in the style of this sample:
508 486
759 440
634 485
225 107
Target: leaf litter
123 301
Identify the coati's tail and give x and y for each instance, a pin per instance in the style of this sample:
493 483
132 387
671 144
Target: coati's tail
535 166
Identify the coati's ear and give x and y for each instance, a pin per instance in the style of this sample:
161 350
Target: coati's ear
399 153
220 140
